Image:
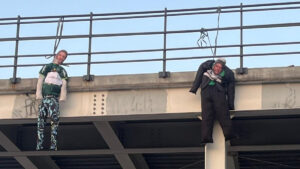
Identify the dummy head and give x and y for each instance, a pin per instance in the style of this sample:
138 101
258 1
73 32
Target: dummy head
218 65
60 57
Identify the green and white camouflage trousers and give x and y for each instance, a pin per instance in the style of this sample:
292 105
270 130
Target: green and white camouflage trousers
49 106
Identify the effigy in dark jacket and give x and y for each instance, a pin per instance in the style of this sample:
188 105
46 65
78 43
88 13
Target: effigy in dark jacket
217 97
227 81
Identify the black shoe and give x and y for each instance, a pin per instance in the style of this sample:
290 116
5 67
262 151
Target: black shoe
53 148
39 148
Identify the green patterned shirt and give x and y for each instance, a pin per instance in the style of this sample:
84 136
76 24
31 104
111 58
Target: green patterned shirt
54 74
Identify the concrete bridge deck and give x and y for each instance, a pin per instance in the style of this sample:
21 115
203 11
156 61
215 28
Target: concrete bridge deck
142 121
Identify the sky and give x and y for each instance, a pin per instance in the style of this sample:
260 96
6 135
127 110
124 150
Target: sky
28 8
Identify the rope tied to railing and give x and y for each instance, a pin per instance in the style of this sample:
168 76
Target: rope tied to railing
204 34
201 40
59 31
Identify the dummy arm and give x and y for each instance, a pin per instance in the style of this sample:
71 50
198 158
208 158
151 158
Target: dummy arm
63 92
39 85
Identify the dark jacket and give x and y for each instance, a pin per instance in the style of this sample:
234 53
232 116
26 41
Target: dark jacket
227 85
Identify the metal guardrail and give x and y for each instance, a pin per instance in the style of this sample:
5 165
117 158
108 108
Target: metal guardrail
241 9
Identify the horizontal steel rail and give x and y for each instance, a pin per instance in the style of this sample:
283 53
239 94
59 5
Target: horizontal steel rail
90 18
157 60
147 16
158 11
158 50
263 26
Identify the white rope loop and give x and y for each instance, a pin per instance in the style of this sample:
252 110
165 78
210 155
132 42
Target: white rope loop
59 31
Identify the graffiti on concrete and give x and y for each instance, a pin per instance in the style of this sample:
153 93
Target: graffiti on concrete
25 106
31 106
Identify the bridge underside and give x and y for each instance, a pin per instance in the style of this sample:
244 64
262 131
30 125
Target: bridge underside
268 139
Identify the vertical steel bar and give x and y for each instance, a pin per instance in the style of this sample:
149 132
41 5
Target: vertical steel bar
165 42
241 40
88 77
241 69
164 73
14 80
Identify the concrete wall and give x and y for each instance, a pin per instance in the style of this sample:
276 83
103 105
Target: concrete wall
265 88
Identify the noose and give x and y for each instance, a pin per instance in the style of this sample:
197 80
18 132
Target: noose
59 31
204 34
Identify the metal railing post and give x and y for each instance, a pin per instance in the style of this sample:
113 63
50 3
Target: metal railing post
14 79
89 77
164 73
241 70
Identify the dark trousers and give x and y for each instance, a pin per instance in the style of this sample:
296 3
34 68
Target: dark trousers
214 107
48 107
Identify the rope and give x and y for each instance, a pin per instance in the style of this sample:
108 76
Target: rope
267 162
204 34
218 27
59 30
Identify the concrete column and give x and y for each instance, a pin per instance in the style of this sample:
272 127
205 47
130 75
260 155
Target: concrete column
216 153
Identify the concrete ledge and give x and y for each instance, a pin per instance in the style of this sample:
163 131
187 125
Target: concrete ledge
152 81
270 75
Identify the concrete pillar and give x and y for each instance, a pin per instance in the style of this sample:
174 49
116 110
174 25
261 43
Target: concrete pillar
216 153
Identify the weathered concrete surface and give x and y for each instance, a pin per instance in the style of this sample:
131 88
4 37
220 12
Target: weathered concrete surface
78 104
136 102
178 98
148 94
151 81
270 75
248 97
281 96
7 103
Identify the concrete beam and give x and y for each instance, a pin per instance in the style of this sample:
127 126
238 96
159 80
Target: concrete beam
150 81
154 101
114 143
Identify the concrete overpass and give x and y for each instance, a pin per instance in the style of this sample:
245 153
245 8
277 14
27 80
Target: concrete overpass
142 121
